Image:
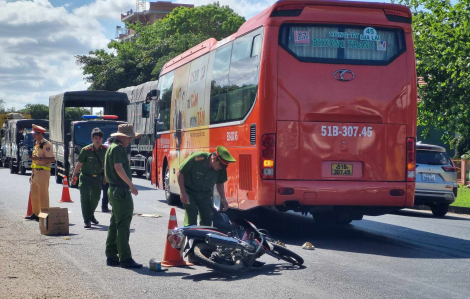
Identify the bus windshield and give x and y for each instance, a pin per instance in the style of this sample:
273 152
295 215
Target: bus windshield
348 44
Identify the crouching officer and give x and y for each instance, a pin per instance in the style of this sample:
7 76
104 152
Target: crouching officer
42 157
118 174
91 164
197 176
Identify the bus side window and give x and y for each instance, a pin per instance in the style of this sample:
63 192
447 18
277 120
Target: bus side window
220 84
164 104
256 48
243 77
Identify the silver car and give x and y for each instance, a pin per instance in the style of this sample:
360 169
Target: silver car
436 178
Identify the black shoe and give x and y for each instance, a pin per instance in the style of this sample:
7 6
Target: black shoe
32 217
105 210
112 261
130 263
94 221
258 264
87 224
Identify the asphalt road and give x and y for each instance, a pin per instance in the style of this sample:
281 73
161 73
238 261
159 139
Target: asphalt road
408 255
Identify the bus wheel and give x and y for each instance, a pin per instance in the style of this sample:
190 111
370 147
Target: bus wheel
171 199
148 168
139 173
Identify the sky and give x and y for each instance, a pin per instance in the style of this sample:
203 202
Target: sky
39 40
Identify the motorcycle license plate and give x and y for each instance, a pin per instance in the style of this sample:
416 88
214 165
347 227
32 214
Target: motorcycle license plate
341 169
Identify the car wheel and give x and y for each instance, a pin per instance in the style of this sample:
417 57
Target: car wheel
440 210
12 168
22 170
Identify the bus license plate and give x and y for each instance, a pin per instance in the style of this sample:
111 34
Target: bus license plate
341 169
428 177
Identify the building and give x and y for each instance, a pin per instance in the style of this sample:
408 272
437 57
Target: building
146 13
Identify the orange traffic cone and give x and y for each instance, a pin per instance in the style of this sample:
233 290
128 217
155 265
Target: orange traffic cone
65 191
30 209
172 257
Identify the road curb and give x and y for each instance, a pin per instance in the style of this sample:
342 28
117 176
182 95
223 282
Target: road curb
452 209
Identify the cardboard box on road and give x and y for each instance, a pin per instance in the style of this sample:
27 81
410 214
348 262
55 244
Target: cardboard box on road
54 221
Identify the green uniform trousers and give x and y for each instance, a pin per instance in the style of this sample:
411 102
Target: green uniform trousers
119 227
90 192
201 204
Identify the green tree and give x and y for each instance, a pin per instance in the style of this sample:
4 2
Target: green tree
442 45
2 106
133 63
75 113
37 111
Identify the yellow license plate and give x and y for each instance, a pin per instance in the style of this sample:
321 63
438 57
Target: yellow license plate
341 169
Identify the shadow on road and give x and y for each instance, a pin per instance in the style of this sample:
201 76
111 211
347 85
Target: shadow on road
421 214
268 270
147 272
143 188
365 236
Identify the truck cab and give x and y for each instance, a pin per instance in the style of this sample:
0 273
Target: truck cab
25 151
78 135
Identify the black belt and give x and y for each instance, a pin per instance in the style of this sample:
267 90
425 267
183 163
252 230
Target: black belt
123 186
92 175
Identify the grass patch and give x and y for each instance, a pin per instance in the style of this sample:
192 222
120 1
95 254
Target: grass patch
463 197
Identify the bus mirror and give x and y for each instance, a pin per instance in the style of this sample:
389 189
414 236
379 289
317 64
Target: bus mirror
145 110
68 137
152 95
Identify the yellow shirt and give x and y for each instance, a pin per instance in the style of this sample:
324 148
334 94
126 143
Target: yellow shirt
45 152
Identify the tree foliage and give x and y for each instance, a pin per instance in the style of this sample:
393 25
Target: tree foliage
37 111
75 113
2 106
40 111
139 61
442 44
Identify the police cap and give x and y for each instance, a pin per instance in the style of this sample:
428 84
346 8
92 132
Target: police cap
224 156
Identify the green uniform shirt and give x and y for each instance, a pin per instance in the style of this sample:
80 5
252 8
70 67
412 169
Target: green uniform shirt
91 164
116 154
199 177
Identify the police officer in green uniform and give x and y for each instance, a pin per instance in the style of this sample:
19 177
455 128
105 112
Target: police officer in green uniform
118 174
196 178
91 164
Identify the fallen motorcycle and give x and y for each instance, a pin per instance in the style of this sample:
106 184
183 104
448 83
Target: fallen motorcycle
230 246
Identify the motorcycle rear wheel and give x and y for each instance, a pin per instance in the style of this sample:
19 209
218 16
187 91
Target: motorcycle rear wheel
203 252
286 255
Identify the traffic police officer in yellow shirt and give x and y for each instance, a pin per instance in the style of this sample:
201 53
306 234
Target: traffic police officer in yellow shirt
91 164
42 157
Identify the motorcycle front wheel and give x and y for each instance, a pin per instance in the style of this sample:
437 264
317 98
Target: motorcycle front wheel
203 252
285 254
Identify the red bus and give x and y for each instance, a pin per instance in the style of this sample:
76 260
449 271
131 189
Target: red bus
315 99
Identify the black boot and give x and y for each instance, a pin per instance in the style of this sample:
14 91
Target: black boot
32 217
112 261
87 224
93 220
130 263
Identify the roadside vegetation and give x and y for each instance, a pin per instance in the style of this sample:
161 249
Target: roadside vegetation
463 197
